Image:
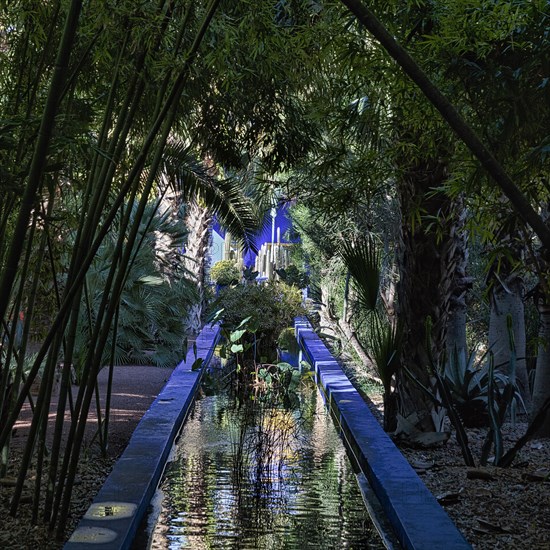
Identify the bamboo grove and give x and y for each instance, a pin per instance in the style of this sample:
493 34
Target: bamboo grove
95 92
122 120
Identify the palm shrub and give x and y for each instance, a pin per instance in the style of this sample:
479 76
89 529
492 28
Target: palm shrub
154 300
385 351
361 257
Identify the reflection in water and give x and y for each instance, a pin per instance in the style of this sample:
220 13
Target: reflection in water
257 475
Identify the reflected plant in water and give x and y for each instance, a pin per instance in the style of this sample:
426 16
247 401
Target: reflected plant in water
259 474
269 467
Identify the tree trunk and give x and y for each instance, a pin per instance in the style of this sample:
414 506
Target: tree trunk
541 386
507 302
458 266
427 263
198 221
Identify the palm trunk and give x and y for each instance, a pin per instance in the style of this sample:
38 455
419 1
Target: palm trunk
198 221
427 265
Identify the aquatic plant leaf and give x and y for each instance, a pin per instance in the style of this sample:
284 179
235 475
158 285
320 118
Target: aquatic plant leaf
197 365
236 335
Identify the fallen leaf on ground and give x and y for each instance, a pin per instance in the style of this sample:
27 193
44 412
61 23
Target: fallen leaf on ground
492 528
478 473
446 499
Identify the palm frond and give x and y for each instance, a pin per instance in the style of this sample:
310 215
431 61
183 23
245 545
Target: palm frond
385 347
224 197
361 257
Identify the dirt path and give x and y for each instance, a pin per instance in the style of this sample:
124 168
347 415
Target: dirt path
134 389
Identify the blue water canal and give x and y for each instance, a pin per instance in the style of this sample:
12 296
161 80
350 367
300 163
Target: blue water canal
262 473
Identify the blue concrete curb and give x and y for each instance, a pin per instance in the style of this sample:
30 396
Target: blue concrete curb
112 520
420 523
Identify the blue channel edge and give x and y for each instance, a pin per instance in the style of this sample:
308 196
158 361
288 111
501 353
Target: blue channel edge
113 518
419 522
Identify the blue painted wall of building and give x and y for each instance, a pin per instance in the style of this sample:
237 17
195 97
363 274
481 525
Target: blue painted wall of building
282 221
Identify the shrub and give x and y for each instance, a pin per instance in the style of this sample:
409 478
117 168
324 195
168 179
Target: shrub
271 308
287 340
225 272
294 276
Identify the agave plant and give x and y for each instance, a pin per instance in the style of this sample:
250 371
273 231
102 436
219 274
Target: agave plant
468 381
474 385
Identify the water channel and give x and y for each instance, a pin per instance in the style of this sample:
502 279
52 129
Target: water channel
261 474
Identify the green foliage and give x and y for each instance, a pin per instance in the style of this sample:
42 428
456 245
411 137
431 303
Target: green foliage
287 340
362 258
293 276
279 377
270 307
249 274
385 348
225 272
240 344
153 306
502 401
468 383
28 362
236 204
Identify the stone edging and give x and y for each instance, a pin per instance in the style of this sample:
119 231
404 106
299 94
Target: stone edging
113 518
419 521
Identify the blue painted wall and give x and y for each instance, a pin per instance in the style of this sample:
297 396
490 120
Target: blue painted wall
282 221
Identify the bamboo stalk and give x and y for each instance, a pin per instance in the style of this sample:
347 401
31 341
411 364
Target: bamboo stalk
164 119
449 113
41 417
39 157
5 400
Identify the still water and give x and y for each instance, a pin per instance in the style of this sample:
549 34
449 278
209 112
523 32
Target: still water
254 474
